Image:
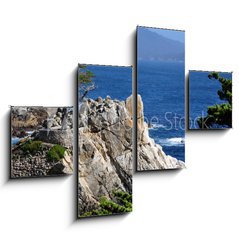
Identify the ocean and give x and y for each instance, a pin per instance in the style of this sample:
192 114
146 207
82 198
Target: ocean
202 94
111 80
162 88
16 140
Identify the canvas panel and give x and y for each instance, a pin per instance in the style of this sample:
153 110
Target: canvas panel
210 100
105 140
41 141
161 99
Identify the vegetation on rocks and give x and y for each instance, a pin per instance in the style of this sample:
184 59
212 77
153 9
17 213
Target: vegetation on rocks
32 146
55 153
85 79
121 203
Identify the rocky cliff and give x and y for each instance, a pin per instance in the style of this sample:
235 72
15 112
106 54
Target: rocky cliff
105 149
27 118
151 155
105 146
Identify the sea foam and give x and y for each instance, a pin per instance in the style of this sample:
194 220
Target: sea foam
177 141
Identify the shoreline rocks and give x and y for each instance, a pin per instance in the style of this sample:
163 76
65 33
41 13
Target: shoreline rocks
51 126
25 164
56 136
105 149
27 118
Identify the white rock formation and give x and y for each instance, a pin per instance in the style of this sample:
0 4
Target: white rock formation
105 149
151 155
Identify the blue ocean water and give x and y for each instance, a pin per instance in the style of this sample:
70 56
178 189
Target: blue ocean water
16 140
111 80
162 88
202 94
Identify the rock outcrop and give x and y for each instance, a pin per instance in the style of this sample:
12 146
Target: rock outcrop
56 136
34 118
105 146
53 131
64 166
151 155
105 149
27 117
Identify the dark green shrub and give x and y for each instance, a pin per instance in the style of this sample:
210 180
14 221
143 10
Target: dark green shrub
55 153
121 203
32 146
219 114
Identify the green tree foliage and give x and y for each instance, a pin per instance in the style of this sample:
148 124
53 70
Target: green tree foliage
85 79
121 203
219 114
55 153
32 147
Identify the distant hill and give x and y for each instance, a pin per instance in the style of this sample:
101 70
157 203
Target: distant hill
152 46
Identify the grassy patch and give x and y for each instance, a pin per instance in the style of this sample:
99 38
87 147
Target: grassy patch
32 147
55 153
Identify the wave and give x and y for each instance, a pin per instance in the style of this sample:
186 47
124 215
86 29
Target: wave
171 141
155 126
16 140
29 133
